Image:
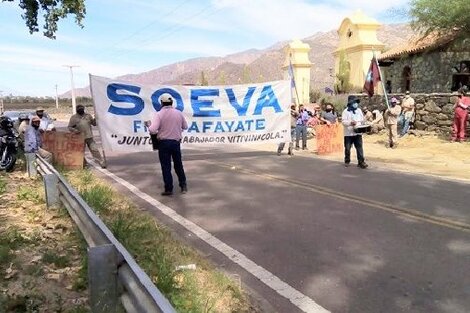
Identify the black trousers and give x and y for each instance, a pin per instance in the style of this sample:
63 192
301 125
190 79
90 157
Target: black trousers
357 142
168 150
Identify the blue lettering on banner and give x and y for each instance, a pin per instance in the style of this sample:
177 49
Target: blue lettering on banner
206 125
227 126
113 95
241 109
137 125
230 125
193 128
202 107
175 94
219 127
267 99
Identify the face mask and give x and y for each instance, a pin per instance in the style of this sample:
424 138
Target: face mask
40 115
355 105
329 109
81 111
36 126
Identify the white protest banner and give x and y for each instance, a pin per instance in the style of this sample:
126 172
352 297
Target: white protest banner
237 114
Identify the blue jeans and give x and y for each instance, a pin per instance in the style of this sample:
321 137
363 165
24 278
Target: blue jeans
167 150
348 142
404 124
301 129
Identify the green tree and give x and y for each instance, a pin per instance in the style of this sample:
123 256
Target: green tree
222 78
246 76
53 11
441 16
203 81
342 84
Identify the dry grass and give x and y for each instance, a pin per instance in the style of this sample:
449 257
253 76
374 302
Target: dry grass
40 252
158 252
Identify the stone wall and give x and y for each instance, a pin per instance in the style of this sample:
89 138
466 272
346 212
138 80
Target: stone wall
430 71
434 112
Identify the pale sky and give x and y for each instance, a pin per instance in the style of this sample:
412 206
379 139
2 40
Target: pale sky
133 36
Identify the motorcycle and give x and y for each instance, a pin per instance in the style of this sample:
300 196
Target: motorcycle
8 145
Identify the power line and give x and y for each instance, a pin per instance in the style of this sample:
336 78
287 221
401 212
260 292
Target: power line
171 30
142 28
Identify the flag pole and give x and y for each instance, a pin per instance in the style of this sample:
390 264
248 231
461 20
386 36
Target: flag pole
381 81
293 78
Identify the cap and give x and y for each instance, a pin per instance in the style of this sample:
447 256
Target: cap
166 98
23 116
407 92
39 109
35 119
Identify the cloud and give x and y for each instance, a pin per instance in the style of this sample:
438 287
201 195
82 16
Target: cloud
52 61
281 20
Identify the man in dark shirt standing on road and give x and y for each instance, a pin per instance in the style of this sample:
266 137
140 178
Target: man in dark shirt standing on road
81 123
168 124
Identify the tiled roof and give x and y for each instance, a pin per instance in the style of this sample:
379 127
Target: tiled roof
418 44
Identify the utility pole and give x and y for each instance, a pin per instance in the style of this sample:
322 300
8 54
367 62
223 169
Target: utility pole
2 109
56 98
74 104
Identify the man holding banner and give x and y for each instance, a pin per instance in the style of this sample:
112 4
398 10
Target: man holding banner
293 124
168 124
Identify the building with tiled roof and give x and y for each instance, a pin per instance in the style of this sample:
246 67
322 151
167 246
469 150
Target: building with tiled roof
429 64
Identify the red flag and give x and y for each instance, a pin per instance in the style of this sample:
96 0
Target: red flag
372 77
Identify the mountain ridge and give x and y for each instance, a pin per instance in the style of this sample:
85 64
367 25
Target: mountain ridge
256 65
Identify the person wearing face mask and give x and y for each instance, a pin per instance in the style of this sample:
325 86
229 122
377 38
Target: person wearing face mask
391 118
81 123
301 128
46 123
329 114
33 142
352 116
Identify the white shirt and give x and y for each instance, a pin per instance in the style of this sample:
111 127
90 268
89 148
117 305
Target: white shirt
347 117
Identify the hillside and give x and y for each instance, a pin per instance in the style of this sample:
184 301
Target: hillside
256 65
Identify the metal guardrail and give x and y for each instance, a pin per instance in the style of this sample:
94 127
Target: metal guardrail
114 277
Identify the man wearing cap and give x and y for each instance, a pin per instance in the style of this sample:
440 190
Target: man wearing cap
32 140
391 118
46 123
352 116
368 116
168 124
408 107
81 123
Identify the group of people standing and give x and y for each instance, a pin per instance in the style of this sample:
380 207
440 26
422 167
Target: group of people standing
397 119
30 129
301 120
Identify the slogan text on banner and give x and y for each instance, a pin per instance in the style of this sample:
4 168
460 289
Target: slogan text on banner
238 114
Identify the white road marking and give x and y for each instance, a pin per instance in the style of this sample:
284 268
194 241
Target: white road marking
303 302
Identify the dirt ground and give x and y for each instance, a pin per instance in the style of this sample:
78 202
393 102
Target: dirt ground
41 255
428 154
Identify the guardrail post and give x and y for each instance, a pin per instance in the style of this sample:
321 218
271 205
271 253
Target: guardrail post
31 164
51 182
102 278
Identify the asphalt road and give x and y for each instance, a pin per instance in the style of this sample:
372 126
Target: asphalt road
351 240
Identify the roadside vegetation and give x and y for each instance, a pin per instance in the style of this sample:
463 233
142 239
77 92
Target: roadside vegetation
198 288
41 254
